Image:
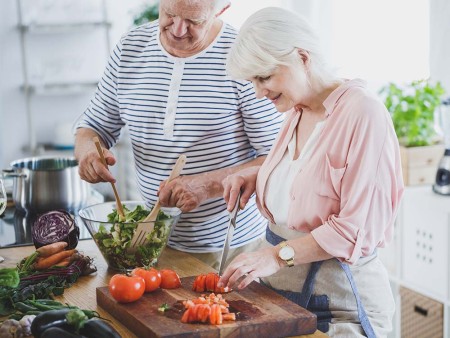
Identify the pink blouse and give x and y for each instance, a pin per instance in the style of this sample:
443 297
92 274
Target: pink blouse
348 193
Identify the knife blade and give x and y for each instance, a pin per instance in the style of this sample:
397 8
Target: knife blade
229 236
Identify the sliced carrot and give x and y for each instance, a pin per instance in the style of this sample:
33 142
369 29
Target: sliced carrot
51 249
47 262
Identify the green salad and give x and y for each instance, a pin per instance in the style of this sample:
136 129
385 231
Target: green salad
115 241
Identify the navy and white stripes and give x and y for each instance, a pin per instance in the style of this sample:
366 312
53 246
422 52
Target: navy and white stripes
188 105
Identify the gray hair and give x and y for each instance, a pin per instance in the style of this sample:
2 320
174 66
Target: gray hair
270 38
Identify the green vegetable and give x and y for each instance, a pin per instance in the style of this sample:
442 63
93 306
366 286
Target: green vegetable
114 242
9 277
163 307
76 318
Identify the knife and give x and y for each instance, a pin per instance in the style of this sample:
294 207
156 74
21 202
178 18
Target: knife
231 227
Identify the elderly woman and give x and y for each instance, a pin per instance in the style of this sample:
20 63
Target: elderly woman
330 186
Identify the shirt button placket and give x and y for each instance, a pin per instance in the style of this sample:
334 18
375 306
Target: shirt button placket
172 100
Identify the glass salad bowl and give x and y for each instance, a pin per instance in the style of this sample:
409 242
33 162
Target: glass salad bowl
113 238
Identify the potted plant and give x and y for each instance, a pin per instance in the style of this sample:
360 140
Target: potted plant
413 108
147 14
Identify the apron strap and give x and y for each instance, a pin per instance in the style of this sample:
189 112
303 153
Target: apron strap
362 315
308 285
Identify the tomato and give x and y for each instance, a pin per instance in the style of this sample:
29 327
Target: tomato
126 289
169 279
152 278
208 282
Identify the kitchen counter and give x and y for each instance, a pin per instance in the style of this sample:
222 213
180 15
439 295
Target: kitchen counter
82 293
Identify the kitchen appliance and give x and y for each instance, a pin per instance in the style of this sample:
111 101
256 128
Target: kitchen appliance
442 183
47 183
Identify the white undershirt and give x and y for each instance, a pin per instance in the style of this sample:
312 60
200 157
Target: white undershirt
280 180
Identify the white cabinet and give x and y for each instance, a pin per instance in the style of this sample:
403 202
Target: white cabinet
418 261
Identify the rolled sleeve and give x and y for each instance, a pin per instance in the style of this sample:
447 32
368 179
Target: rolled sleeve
345 250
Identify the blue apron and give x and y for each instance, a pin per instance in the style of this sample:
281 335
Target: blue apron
319 304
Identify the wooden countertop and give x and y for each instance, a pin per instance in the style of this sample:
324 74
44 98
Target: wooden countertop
82 293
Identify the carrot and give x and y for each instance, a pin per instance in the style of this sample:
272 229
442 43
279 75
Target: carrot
47 262
65 262
76 256
51 249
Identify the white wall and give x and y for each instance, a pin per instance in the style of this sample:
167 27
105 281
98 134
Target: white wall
440 42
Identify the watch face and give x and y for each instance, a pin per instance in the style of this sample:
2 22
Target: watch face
286 253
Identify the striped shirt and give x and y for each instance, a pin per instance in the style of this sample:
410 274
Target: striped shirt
175 106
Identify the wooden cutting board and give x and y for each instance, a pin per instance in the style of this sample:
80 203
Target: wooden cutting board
261 312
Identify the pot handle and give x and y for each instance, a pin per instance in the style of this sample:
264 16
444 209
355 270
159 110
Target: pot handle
10 173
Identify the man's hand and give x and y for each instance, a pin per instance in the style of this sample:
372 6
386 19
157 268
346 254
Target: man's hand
184 192
90 166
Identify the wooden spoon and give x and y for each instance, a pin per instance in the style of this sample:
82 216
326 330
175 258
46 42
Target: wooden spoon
147 225
116 194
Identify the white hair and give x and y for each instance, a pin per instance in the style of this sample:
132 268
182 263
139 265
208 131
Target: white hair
216 5
271 37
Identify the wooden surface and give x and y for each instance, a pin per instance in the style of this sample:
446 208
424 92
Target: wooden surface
83 292
261 312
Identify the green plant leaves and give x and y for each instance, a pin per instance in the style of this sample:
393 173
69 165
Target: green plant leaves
412 110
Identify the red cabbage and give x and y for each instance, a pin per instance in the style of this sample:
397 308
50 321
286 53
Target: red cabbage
55 226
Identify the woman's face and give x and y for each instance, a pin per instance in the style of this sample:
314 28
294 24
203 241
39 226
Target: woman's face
185 25
286 87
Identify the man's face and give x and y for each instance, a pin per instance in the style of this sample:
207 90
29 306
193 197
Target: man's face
185 25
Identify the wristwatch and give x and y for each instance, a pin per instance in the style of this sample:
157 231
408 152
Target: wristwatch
286 254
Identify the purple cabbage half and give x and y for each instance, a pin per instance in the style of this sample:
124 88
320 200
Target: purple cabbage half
55 226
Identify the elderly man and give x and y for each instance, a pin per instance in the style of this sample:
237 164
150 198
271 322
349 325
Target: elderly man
166 81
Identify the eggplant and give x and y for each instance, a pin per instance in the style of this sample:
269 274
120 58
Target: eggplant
57 332
96 328
49 319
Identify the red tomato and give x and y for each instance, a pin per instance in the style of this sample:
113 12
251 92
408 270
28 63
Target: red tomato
126 289
152 278
169 279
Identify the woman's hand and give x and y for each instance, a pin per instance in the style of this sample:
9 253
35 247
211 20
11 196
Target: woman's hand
249 266
243 181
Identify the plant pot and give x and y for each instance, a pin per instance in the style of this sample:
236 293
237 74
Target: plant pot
419 164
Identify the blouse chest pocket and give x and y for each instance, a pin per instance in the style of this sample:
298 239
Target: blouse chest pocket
331 179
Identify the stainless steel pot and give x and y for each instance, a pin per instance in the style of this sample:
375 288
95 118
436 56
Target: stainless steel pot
47 183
